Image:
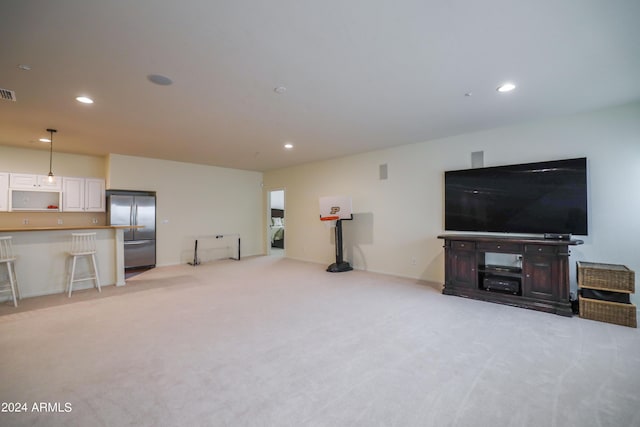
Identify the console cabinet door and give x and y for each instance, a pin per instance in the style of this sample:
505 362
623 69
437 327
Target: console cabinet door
462 265
540 277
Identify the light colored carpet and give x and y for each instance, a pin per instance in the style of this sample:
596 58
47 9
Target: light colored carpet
269 341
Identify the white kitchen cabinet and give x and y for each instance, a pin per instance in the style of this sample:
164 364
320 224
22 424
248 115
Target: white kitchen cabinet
44 184
4 191
26 181
83 194
94 191
23 181
34 200
30 192
72 194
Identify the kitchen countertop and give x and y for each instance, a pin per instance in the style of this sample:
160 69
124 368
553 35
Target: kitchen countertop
68 227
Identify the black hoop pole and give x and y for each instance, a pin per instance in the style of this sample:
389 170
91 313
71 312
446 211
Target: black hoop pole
340 265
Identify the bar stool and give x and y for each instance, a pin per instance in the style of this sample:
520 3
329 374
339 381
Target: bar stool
83 245
8 258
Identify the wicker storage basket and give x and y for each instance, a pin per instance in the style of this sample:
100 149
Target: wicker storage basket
610 277
610 312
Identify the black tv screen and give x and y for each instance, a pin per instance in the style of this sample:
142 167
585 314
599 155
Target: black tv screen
536 198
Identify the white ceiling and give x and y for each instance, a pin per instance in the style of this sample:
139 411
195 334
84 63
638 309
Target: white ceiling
360 74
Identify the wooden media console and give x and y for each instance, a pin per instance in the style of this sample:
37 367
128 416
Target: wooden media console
540 281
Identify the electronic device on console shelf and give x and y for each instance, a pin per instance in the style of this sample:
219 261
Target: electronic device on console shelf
501 284
503 269
557 236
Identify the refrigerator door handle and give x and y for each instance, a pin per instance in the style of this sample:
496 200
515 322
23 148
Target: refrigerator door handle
136 242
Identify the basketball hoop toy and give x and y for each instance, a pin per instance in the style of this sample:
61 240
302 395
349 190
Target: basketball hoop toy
336 209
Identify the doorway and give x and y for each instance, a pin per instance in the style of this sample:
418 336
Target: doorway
276 223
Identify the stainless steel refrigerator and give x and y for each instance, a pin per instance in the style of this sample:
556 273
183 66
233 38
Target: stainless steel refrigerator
135 208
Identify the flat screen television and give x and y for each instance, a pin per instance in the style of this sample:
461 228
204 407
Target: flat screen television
531 198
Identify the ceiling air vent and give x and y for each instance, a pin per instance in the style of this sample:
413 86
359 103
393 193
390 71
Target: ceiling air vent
7 94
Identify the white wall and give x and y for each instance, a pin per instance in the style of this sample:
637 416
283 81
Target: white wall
398 219
195 200
277 199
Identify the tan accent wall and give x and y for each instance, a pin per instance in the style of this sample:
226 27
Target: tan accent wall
194 201
36 161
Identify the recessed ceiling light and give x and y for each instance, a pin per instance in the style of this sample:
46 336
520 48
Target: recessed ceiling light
24 67
288 146
84 99
280 89
47 140
506 87
159 80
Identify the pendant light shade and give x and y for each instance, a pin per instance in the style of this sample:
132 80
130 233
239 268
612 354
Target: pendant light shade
51 178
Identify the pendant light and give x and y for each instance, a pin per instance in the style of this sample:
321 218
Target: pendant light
51 178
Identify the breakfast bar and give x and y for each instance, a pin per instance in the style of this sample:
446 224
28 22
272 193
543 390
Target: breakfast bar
43 255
